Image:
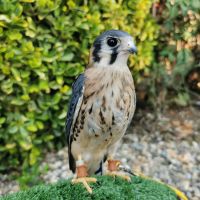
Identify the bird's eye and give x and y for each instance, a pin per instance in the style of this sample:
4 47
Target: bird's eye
112 42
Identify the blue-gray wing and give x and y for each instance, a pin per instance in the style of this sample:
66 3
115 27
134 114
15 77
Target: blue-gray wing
73 110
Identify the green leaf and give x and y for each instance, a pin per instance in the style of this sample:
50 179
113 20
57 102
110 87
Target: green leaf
27 46
33 89
10 146
62 115
59 80
32 127
16 74
17 102
25 97
25 144
56 98
35 152
23 132
14 35
48 138
2 120
5 18
12 129
40 125
28 1
182 99
67 57
44 85
30 33
18 10
9 55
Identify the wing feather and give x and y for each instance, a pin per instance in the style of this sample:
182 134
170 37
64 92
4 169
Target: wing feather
73 110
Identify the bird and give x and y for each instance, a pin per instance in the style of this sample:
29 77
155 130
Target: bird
102 105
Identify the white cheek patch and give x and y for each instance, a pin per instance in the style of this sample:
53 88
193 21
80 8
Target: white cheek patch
105 50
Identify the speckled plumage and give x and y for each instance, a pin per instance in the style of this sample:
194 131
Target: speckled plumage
105 107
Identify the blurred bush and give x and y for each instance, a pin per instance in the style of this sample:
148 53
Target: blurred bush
44 45
177 52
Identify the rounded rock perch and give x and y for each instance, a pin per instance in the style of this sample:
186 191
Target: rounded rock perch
106 187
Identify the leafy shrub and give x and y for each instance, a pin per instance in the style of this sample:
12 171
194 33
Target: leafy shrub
177 51
43 47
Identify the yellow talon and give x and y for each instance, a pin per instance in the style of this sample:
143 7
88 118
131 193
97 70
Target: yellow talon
121 175
82 175
84 181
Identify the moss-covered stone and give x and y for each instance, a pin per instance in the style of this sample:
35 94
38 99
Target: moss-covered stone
107 188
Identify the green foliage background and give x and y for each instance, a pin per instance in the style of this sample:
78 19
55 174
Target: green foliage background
44 45
177 52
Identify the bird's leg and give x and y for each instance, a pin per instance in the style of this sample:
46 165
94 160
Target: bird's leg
113 169
82 175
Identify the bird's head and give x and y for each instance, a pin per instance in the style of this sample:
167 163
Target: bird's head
111 48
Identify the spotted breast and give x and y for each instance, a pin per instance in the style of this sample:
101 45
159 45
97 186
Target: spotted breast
107 108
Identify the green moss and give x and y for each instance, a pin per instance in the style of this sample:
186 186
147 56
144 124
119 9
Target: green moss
105 188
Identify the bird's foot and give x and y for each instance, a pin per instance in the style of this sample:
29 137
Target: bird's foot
113 170
85 181
119 174
82 175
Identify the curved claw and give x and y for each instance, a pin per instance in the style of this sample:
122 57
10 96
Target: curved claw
121 175
84 181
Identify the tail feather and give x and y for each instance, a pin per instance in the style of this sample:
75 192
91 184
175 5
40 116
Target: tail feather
72 162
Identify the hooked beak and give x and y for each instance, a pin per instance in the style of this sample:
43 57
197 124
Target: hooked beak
132 49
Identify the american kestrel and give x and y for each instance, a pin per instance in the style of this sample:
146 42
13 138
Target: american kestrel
102 104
